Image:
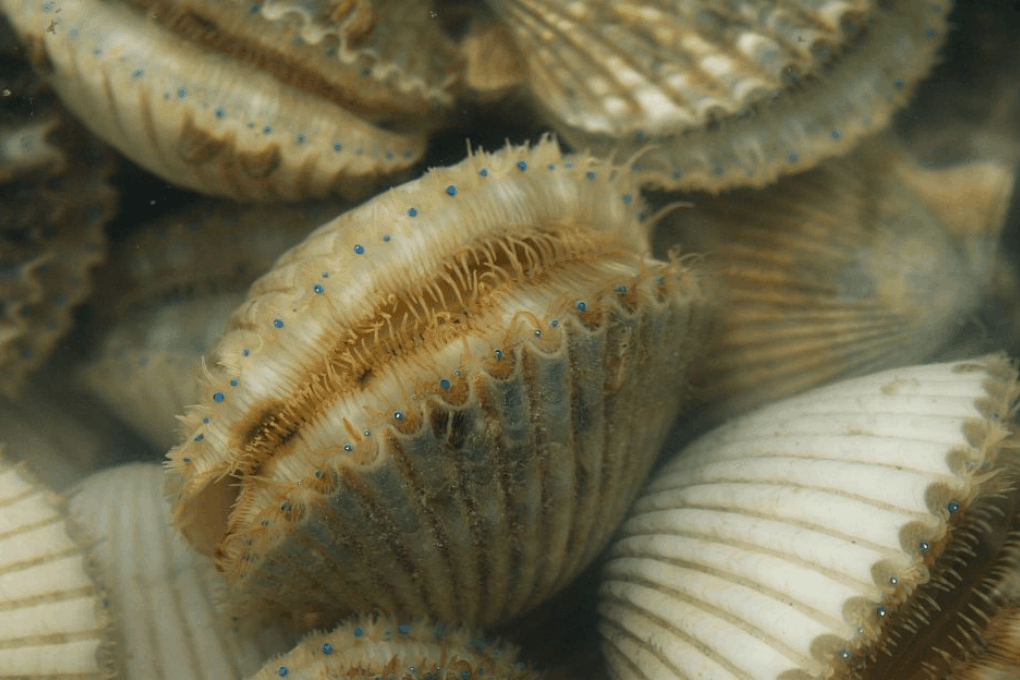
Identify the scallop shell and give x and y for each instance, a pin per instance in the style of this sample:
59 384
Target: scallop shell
867 529
52 624
271 100
382 646
723 94
55 201
863 264
165 300
163 594
442 402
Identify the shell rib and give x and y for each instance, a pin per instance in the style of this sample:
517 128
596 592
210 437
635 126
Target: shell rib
52 624
164 596
863 264
443 401
383 647
220 99
723 94
868 529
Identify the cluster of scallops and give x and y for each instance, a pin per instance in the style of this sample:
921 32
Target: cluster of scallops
663 393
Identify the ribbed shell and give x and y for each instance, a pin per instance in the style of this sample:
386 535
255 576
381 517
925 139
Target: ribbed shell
384 647
56 200
219 99
442 402
52 624
723 94
164 595
811 537
866 263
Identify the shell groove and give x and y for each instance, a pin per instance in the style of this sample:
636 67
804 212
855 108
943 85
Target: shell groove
163 595
442 402
719 95
382 646
868 529
52 624
865 263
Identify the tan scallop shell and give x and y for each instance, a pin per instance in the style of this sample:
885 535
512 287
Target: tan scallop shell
867 529
52 623
256 101
723 94
163 595
443 401
384 647
55 201
863 264
165 299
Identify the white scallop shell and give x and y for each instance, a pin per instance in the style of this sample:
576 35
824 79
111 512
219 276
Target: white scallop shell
52 624
777 545
162 593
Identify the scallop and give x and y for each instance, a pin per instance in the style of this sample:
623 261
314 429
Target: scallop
442 402
164 596
52 621
165 299
383 646
867 529
718 95
865 263
56 201
255 101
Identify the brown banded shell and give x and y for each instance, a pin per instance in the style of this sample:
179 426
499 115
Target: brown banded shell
868 529
252 101
55 200
163 595
718 95
52 622
443 401
384 647
864 263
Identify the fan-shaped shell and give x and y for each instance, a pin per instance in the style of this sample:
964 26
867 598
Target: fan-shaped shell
434 404
863 264
164 596
718 95
52 622
382 646
868 529
263 101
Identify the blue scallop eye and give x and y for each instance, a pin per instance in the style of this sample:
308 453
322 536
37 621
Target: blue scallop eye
444 383
218 396
359 249
953 507
327 648
318 288
581 306
398 415
521 165
278 322
451 190
358 632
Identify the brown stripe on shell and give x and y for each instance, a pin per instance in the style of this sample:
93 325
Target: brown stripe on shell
444 399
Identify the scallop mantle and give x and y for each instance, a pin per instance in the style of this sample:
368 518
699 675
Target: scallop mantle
442 402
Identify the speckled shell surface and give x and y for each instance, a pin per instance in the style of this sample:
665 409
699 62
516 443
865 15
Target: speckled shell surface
865 263
443 401
249 101
722 94
52 624
163 595
385 647
867 529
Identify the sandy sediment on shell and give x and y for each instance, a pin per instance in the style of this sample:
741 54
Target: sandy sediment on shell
163 595
52 620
